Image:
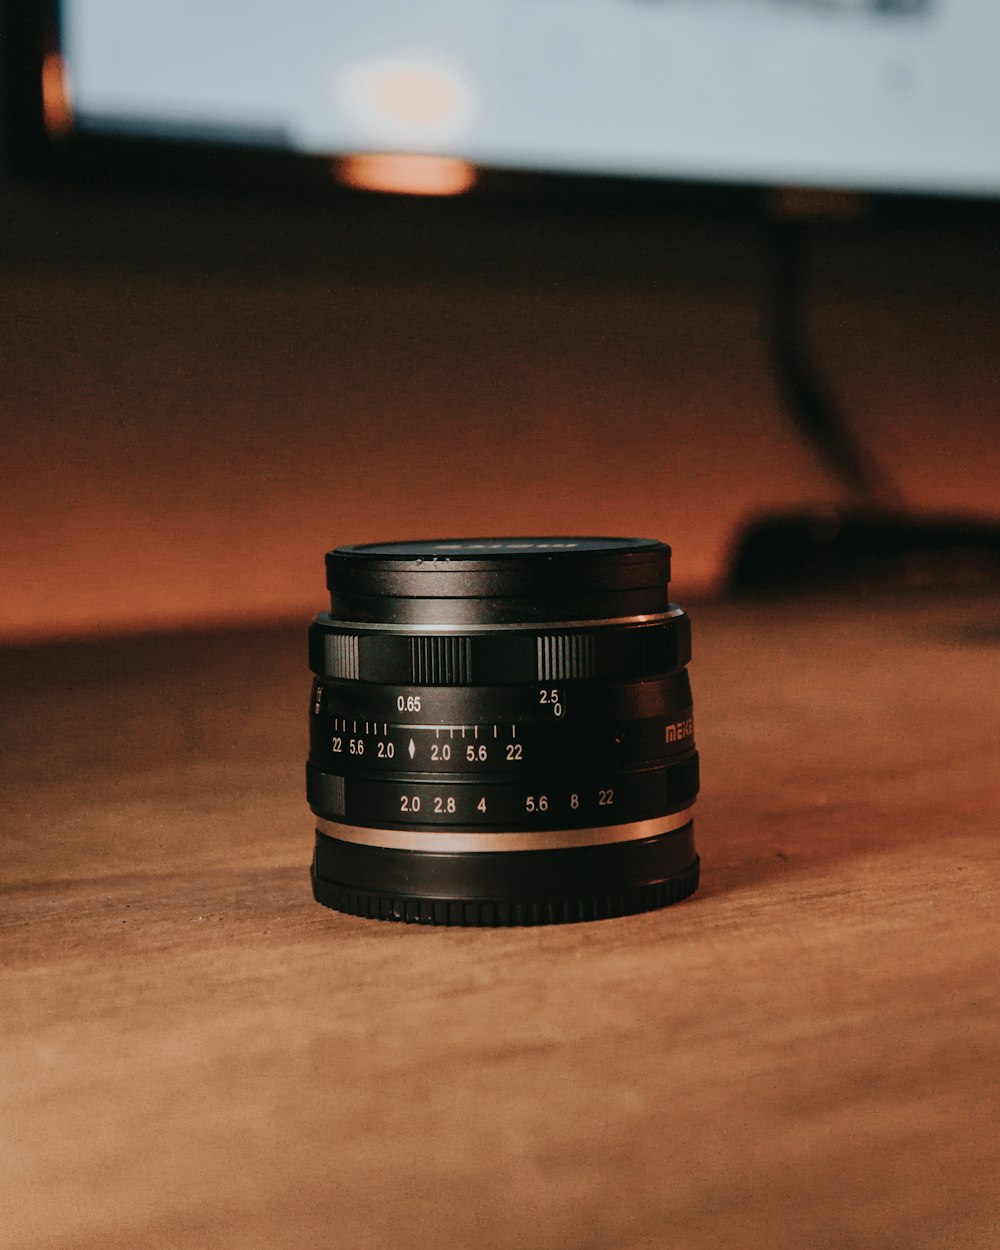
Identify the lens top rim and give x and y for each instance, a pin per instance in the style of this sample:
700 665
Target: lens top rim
476 551
498 579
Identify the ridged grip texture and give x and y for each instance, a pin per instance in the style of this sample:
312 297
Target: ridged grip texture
565 657
342 652
440 661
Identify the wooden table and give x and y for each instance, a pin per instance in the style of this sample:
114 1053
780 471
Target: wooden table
805 1054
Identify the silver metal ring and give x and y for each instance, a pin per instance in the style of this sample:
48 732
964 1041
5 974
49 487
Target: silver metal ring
548 839
378 627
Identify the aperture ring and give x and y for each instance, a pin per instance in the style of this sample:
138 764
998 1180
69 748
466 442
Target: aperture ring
560 802
501 658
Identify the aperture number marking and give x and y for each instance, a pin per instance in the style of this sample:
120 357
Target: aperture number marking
447 754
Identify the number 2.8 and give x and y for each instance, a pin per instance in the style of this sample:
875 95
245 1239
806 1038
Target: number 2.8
442 804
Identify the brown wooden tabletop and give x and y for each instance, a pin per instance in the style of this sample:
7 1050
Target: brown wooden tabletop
805 1054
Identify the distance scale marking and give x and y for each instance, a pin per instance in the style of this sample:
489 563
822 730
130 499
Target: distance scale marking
349 745
445 706
611 798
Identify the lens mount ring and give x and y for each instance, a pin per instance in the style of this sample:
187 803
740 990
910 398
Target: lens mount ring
534 887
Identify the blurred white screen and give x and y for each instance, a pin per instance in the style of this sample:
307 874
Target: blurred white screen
896 95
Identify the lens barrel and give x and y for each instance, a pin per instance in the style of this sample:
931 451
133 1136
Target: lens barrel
501 732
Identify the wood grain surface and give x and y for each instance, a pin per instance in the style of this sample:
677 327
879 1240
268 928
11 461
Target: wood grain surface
805 1054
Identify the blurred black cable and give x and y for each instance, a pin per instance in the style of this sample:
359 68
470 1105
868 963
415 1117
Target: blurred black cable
808 401
873 539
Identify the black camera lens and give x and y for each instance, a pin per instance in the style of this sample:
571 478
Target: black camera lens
501 732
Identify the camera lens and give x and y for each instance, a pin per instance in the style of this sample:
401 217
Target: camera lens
501 732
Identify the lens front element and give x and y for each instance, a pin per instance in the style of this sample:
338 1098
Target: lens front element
501 732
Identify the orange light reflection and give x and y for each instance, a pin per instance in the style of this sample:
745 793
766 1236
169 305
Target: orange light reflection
406 173
57 105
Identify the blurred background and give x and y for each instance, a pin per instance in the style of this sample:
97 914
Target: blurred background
209 381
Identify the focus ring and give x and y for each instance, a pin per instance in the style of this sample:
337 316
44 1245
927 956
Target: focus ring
450 706
508 658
